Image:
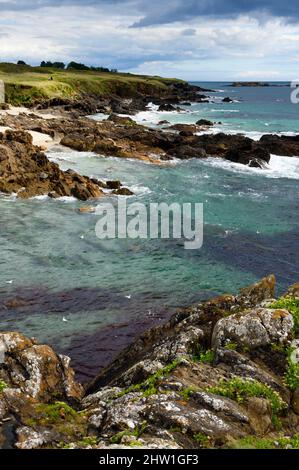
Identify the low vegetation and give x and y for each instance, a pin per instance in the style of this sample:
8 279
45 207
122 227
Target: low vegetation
240 389
252 442
291 304
3 386
27 85
149 386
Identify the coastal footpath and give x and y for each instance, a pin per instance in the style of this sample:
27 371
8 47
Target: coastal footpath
221 374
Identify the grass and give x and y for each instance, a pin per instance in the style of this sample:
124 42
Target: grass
201 439
206 357
291 304
3 386
27 85
137 432
292 372
187 392
252 442
50 414
239 390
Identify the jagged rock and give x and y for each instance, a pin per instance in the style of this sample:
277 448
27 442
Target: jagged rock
293 291
281 145
123 192
36 370
251 155
204 122
161 390
256 328
25 170
184 127
258 292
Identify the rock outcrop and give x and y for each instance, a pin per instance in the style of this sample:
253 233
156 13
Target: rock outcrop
218 374
123 138
26 171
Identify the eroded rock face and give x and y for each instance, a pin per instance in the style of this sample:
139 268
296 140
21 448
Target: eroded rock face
36 370
26 171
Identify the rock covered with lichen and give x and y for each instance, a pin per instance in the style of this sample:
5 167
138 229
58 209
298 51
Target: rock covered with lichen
222 373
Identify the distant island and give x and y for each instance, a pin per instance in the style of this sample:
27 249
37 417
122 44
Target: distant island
255 84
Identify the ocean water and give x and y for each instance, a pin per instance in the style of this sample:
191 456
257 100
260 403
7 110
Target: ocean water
53 267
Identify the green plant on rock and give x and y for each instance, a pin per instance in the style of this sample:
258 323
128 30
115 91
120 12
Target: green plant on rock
137 432
187 392
3 386
149 386
87 441
291 304
292 372
55 412
202 439
231 346
206 357
252 442
240 389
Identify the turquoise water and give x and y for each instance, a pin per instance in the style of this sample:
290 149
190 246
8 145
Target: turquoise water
53 264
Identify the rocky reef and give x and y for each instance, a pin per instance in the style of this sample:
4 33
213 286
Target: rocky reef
223 373
27 172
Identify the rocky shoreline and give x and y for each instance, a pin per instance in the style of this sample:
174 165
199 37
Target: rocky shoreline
220 374
63 122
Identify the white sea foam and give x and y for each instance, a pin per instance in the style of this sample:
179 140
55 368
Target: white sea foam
140 190
213 110
278 167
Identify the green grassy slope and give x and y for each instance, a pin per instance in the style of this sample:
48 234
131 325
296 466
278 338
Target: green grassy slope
27 85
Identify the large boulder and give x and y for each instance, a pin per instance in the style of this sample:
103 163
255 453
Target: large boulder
26 171
36 370
254 328
281 145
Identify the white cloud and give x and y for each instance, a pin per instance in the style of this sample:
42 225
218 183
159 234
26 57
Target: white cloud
216 49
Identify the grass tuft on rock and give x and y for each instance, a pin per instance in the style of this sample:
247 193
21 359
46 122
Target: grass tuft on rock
3 386
291 304
240 389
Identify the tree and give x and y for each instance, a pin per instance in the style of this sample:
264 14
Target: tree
77 66
58 65
21 62
55 65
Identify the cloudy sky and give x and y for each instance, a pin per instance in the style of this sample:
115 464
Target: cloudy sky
191 39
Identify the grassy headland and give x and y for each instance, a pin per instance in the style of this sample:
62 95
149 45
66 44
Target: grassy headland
26 85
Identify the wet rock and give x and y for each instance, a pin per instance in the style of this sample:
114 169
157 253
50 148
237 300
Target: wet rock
167 107
184 128
204 122
281 145
227 99
113 184
250 155
123 192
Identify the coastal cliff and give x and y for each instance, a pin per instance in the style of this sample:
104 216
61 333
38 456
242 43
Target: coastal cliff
222 373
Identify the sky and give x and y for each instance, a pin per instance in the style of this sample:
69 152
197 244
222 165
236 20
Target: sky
203 40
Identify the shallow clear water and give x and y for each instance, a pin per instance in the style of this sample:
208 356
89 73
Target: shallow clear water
59 268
